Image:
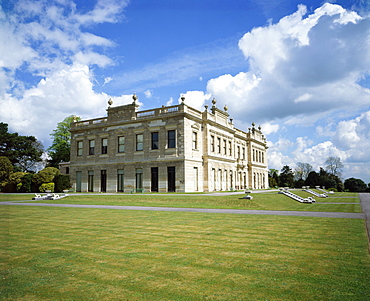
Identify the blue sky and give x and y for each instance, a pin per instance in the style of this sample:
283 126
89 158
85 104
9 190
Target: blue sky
300 69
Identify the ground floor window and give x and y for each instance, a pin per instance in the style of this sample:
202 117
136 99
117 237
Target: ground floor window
103 181
78 181
171 178
120 180
154 179
139 179
90 183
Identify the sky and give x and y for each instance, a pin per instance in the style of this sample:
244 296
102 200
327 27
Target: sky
300 69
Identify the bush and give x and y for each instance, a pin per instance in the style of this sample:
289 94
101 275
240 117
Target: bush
45 176
26 185
61 182
14 183
46 186
6 168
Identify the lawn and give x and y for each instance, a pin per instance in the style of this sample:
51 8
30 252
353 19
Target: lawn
261 201
92 254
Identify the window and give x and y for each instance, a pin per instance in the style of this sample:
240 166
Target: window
120 180
139 179
104 146
238 148
195 140
121 144
139 142
213 144
224 146
230 149
90 182
155 140
154 178
78 181
243 150
91 147
103 181
171 178
219 145
171 139
79 148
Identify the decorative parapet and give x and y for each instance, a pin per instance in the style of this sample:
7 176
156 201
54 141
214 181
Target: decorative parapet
84 123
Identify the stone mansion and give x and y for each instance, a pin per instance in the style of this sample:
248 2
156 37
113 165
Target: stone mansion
168 149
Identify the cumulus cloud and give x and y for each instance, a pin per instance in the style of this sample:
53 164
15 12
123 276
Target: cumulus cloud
304 64
353 137
48 41
195 99
350 141
67 92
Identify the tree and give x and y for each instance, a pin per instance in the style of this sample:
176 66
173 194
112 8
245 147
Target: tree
61 183
15 181
302 170
22 151
6 168
286 178
313 179
334 166
355 185
59 151
273 177
45 176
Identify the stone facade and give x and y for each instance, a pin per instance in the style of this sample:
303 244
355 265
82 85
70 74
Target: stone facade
175 148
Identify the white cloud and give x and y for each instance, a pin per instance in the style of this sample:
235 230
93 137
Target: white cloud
353 137
303 65
302 98
195 99
269 128
48 41
148 93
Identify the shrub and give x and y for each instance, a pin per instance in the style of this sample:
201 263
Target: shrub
15 179
61 182
26 183
46 186
6 168
45 176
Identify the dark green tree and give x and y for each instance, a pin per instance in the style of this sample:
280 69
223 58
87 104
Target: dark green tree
286 178
313 179
273 177
22 151
61 182
59 151
355 185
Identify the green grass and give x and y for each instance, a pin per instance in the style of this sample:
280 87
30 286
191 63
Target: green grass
261 201
91 254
